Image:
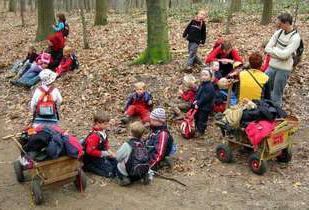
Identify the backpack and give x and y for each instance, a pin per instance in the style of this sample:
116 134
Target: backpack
46 107
187 127
299 51
75 64
66 30
138 162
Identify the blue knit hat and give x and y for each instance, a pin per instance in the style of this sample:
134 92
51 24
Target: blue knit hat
158 114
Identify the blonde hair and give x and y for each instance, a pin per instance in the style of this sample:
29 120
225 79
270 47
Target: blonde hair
67 49
202 12
140 85
189 80
137 129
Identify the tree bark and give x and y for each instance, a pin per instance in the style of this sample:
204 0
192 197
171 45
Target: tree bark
46 18
158 49
85 33
228 19
22 9
100 12
236 5
12 6
267 12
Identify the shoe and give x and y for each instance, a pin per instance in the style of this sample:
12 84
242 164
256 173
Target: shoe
125 120
146 179
198 134
15 82
188 69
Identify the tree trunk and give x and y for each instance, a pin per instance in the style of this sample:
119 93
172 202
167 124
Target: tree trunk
236 5
12 6
158 49
228 19
46 18
85 34
100 12
267 12
22 9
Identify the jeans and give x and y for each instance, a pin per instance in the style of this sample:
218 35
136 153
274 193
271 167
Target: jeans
30 78
278 80
193 58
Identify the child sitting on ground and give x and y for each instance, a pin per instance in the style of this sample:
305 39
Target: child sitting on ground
46 100
21 67
132 157
98 157
160 141
204 101
186 96
195 33
138 104
31 77
66 62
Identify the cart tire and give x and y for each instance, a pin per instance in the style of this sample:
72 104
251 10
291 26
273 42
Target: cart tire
256 165
224 153
36 191
18 168
285 155
81 181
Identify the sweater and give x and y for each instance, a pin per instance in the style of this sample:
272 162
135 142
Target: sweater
218 53
195 32
281 49
59 26
122 156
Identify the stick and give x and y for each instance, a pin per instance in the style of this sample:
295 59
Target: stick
169 178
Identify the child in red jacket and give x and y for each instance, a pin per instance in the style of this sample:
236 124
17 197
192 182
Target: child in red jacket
66 62
98 157
138 104
186 96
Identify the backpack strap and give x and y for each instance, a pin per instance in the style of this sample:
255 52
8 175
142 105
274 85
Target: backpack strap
255 79
278 37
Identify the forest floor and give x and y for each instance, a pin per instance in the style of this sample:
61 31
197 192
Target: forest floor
104 80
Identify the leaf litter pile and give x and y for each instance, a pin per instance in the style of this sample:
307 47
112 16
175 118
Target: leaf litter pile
105 78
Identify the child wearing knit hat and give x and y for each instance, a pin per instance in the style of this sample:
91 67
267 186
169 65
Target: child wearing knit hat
160 141
138 104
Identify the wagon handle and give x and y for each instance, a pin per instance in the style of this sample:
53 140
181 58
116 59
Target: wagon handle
19 145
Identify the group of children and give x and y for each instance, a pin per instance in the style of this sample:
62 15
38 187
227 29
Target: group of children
57 57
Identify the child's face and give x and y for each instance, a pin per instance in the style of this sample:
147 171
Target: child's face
205 76
215 66
156 123
31 50
44 65
201 16
66 54
139 90
101 125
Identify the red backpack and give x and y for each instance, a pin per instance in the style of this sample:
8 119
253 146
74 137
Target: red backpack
187 127
46 106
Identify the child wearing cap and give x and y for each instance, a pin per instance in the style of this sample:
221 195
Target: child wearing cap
204 101
138 103
195 33
160 141
133 155
66 61
186 95
98 157
31 77
46 100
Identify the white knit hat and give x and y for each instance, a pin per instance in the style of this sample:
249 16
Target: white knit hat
158 114
47 76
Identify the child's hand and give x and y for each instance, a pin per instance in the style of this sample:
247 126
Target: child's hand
196 106
180 92
149 102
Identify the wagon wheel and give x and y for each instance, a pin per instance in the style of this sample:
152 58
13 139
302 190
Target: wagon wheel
81 181
285 156
256 165
36 190
18 168
224 153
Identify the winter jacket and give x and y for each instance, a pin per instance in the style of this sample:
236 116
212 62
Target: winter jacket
159 145
205 96
281 47
57 40
59 26
65 65
122 156
195 32
218 53
265 64
144 100
189 95
97 142
250 89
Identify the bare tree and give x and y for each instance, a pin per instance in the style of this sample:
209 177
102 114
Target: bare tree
22 9
85 33
100 12
267 12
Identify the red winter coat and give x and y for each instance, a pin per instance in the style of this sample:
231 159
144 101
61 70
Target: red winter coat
57 40
189 95
218 53
64 65
92 144
265 65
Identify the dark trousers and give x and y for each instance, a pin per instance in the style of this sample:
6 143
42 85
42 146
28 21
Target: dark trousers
57 56
201 118
101 166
